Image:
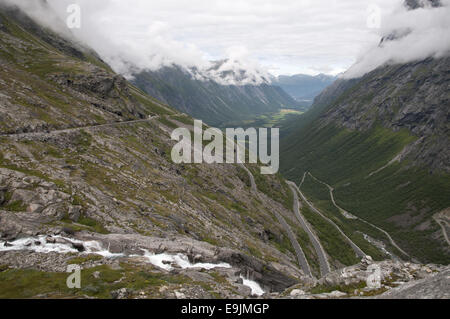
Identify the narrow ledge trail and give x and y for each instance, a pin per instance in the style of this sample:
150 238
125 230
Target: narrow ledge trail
301 258
323 259
75 129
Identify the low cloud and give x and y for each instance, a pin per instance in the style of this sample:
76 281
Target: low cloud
411 35
238 68
283 36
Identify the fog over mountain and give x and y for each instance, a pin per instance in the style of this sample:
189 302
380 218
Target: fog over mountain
280 37
149 37
420 33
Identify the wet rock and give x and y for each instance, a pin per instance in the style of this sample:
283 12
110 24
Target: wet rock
133 251
266 274
50 240
68 231
161 249
79 246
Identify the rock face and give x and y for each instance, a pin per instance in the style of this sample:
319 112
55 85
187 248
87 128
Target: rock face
402 97
86 154
436 286
396 280
378 140
391 273
268 277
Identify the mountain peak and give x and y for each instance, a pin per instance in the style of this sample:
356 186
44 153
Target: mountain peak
232 72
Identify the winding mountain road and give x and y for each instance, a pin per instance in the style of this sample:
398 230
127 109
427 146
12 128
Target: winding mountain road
355 247
351 216
323 260
301 258
440 219
75 129
331 189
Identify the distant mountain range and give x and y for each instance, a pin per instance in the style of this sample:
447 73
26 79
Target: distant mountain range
218 95
230 91
304 88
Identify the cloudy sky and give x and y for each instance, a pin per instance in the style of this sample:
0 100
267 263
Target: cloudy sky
278 36
285 36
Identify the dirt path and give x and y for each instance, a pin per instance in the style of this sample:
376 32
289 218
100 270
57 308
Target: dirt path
75 129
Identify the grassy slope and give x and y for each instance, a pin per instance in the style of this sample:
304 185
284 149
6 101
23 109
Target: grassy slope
127 147
345 158
216 104
274 119
34 61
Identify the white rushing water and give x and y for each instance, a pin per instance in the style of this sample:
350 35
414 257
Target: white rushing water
254 286
166 261
64 245
43 247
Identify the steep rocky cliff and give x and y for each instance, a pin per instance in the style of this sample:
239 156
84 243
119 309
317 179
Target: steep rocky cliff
413 97
85 167
382 142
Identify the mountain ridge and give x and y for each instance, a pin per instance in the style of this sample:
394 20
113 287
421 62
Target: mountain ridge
304 88
395 121
85 158
206 99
